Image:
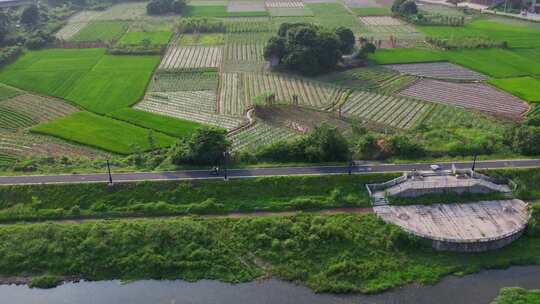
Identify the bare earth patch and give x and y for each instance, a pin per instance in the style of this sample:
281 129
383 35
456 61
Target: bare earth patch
474 96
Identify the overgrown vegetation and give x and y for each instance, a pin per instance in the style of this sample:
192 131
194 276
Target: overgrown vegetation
339 253
177 198
517 295
45 281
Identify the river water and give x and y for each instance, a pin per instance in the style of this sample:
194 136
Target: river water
472 289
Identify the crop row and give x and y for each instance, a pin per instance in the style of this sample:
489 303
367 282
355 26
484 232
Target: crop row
377 79
385 110
24 144
240 90
243 52
12 120
444 115
192 57
39 108
259 134
247 25
381 20
6 159
284 3
184 81
198 106
475 96
440 70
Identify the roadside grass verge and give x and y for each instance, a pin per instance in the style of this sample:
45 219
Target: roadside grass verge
103 133
527 181
164 124
137 38
197 197
338 253
526 88
101 31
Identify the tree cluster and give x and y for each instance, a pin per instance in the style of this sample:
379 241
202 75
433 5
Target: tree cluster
324 144
404 8
206 146
309 49
161 7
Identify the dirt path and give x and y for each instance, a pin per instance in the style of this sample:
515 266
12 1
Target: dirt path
204 216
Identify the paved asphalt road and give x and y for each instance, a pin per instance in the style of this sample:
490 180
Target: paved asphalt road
245 173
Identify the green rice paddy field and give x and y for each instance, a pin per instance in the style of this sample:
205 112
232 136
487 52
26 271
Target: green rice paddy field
103 132
103 84
101 31
132 38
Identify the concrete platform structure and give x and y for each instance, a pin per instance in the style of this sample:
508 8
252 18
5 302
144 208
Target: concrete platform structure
471 227
465 227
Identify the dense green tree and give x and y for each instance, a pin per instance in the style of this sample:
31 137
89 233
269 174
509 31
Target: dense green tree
396 6
347 39
406 146
160 7
307 48
205 147
524 139
4 25
408 8
30 15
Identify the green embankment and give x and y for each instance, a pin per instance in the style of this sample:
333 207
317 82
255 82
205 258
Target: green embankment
169 198
338 253
517 295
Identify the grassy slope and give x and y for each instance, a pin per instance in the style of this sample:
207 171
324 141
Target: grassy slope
101 132
133 38
339 253
101 31
527 88
8 92
269 193
516 295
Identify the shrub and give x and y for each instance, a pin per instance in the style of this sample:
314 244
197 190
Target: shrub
206 146
45 281
200 25
533 229
160 7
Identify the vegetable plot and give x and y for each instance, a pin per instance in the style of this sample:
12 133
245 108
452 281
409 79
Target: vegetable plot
191 57
474 96
259 134
385 110
439 70
39 108
198 106
238 91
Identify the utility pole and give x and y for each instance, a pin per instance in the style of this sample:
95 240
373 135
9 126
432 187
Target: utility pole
225 155
109 171
474 162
